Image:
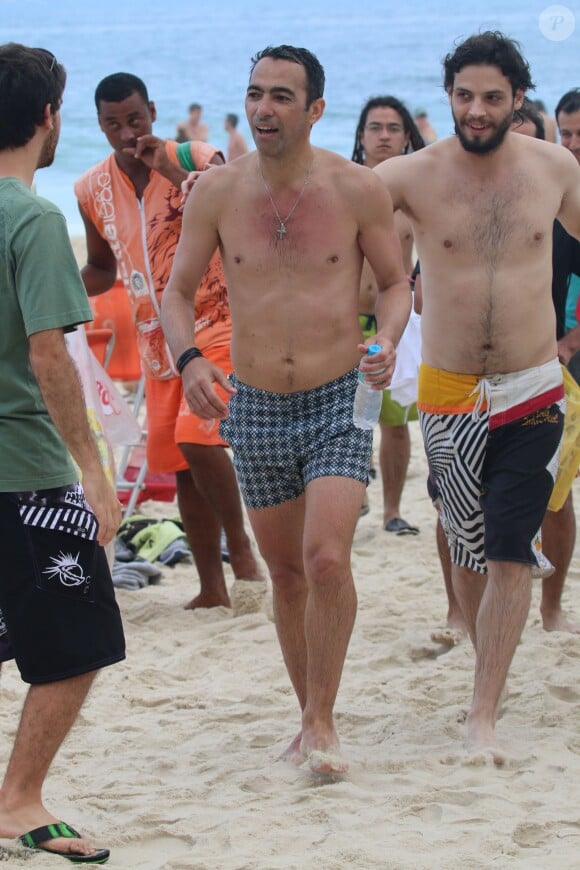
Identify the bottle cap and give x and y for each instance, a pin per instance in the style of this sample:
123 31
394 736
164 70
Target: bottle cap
373 348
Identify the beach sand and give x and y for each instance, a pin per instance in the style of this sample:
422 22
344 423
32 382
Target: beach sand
172 763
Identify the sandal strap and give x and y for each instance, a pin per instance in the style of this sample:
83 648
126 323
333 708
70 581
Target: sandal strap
48 832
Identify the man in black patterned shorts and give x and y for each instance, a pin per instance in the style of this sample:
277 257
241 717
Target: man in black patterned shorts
293 224
59 618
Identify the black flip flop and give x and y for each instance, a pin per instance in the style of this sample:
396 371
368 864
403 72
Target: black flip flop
52 832
399 526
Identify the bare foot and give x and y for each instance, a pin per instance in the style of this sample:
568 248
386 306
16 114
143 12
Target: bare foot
19 821
207 599
293 754
558 620
244 564
323 754
327 761
448 636
455 629
481 740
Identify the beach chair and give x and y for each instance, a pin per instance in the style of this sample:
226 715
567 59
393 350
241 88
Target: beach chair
102 343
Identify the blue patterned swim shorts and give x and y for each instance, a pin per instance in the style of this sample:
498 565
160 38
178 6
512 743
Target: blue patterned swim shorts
282 441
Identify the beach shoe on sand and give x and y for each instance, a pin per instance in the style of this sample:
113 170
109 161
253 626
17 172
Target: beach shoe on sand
46 833
399 526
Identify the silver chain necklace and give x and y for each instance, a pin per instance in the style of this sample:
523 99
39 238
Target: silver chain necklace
281 231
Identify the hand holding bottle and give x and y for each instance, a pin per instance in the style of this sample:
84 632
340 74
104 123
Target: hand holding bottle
368 398
379 365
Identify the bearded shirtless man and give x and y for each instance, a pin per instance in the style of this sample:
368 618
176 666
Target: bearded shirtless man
482 204
293 224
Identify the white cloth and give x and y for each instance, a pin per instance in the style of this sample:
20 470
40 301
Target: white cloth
406 375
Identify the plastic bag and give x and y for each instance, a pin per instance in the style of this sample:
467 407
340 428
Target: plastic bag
112 422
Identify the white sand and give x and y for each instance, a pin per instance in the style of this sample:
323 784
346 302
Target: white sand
80 249
172 763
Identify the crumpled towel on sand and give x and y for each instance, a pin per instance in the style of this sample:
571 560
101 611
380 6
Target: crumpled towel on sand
135 575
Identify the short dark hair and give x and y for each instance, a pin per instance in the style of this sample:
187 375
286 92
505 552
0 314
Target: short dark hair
387 102
117 87
303 57
232 119
528 111
494 49
193 106
30 79
569 103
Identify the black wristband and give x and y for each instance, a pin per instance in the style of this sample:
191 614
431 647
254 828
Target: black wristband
187 356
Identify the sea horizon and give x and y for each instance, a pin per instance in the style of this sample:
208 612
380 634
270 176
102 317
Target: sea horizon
196 52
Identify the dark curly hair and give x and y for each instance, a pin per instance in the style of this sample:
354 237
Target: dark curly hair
494 49
30 79
569 103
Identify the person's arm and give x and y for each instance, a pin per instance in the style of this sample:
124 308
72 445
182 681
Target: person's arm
569 217
152 151
191 178
576 258
391 173
569 214
380 244
100 272
198 241
568 345
62 392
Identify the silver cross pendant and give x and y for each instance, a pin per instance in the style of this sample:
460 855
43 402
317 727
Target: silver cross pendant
281 231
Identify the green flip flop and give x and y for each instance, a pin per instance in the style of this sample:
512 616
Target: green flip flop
33 838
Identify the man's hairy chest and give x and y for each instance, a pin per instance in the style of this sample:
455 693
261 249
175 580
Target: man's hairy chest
489 222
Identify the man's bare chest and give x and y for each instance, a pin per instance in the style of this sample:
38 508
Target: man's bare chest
487 221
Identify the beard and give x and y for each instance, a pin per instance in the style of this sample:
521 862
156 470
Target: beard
478 146
48 151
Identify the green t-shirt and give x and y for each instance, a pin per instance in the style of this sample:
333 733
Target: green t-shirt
40 288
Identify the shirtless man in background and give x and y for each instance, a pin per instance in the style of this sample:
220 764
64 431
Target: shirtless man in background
482 204
236 143
293 224
193 128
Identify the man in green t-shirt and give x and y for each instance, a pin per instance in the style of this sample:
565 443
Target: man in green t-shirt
58 616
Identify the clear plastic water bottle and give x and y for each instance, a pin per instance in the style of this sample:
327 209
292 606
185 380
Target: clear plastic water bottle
367 401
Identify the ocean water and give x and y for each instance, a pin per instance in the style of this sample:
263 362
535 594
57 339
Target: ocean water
200 51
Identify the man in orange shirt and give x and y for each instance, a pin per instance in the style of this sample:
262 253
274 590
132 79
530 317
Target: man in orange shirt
130 204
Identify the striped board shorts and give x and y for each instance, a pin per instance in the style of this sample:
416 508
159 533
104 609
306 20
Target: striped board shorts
492 445
58 613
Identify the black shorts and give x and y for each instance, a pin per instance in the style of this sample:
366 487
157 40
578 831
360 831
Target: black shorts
57 598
